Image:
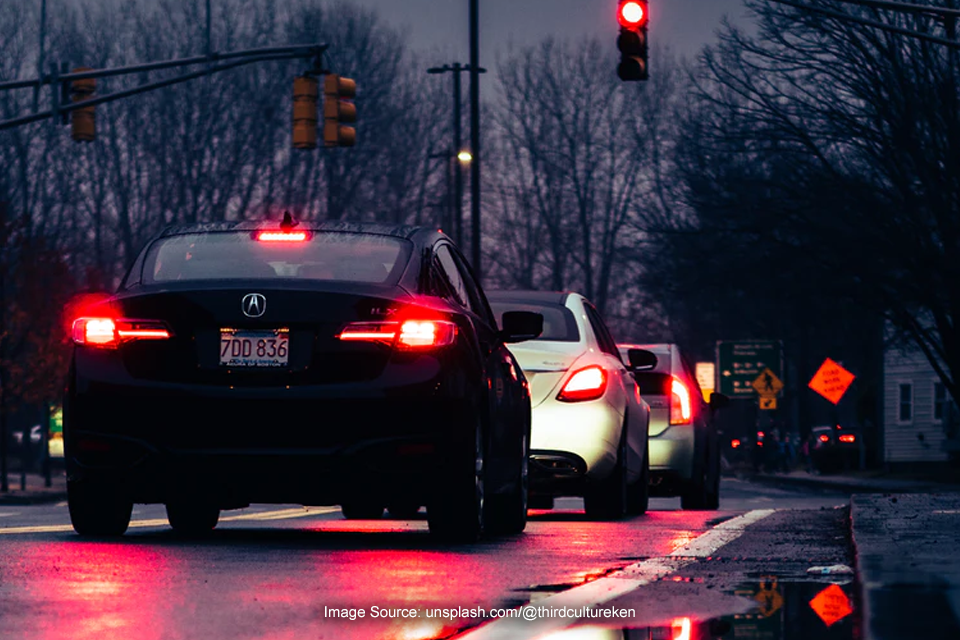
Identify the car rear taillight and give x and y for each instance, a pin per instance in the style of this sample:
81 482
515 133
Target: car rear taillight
681 411
408 334
281 236
824 438
849 438
588 383
735 443
110 333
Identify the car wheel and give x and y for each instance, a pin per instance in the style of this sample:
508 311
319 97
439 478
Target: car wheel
456 511
607 499
97 510
192 518
402 510
703 492
360 510
507 513
639 492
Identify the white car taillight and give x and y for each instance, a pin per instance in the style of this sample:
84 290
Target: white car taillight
588 383
681 411
109 333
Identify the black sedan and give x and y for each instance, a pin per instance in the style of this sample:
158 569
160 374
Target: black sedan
357 365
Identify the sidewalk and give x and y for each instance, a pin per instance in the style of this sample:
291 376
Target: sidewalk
908 562
863 481
36 491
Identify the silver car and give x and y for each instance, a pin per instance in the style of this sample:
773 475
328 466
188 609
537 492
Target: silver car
589 423
684 443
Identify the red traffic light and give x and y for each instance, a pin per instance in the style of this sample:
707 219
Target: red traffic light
632 14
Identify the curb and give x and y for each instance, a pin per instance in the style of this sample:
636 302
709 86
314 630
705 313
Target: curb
32 497
847 485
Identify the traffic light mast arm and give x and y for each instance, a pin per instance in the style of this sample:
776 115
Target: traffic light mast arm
234 59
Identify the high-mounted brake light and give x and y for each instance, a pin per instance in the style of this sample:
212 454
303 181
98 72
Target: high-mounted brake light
109 332
281 236
588 383
681 411
409 334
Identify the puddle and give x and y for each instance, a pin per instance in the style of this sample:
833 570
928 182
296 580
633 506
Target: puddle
809 610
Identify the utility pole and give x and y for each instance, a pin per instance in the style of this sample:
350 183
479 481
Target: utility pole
456 68
475 138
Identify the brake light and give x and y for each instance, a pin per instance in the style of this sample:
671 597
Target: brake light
409 334
281 236
824 438
681 629
680 409
848 438
109 332
734 443
588 383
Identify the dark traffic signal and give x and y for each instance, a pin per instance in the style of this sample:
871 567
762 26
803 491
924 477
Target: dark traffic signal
632 42
337 110
83 121
305 92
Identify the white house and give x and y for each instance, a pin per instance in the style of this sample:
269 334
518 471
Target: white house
920 421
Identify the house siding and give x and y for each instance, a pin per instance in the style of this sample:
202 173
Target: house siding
921 439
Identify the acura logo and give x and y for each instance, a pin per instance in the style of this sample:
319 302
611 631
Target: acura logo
254 305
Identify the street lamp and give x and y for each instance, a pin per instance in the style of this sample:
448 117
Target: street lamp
456 68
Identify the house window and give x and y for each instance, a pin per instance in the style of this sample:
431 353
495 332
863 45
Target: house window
939 401
905 413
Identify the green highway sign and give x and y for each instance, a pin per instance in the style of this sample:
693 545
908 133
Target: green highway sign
740 362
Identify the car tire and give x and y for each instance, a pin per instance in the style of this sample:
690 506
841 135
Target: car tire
192 518
97 510
456 511
507 513
607 499
638 495
359 510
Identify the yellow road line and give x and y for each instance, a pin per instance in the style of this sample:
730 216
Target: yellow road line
263 516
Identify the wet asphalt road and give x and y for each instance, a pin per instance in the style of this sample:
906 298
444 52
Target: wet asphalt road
276 572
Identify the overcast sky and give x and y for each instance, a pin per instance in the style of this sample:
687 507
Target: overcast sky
683 25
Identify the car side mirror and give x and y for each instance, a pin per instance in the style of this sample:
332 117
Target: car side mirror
718 401
519 326
641 359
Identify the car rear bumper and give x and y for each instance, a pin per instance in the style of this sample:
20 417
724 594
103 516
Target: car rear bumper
571 444
672 453
311 444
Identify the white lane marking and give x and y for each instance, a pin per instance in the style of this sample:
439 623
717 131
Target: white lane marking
7 514
617 584
281 514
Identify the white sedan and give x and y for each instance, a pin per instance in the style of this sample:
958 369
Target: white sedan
589 423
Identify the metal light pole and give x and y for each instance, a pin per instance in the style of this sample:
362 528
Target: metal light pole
456 68
475 137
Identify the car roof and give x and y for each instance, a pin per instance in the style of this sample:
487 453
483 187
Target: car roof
397 231
543 297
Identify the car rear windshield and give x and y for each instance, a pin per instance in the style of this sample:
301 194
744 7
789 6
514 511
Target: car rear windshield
559 325
333 256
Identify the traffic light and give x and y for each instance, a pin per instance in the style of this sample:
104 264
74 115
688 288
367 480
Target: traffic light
83 121
337 110
305 92
632 42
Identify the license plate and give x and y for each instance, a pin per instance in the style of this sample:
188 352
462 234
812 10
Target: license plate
254 348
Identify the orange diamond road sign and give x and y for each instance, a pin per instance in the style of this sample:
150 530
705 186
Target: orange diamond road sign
831 381
831 604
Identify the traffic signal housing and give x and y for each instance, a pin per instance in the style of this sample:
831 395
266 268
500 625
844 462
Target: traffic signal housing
83 123
305 93
632 41
337 110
